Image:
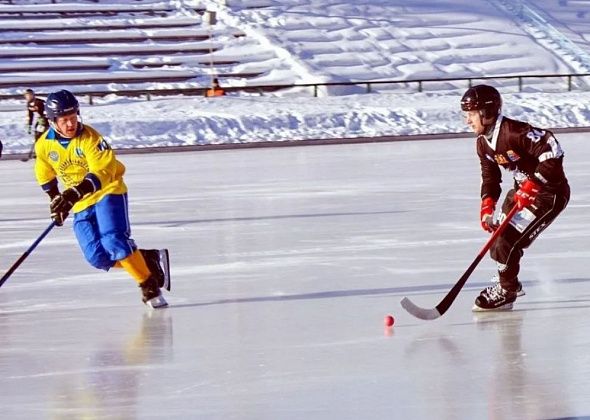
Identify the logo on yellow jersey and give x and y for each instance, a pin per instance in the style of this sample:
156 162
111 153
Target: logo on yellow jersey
72 171
103 145
54 156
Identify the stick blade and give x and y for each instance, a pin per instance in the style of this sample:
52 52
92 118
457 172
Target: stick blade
418 312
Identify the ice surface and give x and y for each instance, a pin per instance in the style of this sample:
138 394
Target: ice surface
284 263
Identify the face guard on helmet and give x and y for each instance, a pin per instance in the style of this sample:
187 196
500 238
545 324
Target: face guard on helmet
485 99
61 103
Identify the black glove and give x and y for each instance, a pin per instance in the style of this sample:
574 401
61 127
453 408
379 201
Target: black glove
59 218
61 204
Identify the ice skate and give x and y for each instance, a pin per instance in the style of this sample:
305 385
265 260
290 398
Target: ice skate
151 294
158 262
519 292
157 302
494 298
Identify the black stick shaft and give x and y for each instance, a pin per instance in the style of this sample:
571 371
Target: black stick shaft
447 301
26 254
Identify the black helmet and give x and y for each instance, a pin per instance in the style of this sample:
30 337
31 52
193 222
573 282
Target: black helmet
61 103
485 99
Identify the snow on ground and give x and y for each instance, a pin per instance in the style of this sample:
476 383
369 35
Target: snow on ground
339 40
235 119
371 39
167 48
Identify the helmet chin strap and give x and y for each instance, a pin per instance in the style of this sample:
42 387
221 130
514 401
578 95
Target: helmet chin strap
489 127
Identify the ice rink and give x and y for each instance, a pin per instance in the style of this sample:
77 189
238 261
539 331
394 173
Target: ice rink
284 263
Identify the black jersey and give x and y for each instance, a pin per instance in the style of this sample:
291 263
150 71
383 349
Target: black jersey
36 106
526 151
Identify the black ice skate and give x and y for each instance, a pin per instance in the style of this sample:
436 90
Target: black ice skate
519 291
494 298
152 296
158 262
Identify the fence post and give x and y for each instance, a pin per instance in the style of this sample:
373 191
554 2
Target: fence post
315 91
90 102
520 83
569 83
420 86
210 17
368 88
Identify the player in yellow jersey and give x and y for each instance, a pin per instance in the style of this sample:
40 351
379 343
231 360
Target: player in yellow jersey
84 163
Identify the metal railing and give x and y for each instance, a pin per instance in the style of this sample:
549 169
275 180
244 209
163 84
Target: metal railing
369 86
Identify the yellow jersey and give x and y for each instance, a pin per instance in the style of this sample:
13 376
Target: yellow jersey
85 156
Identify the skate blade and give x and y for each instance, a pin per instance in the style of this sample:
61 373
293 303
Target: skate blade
507 307
157 302
165 260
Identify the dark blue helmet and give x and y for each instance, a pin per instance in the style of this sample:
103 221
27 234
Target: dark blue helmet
61 103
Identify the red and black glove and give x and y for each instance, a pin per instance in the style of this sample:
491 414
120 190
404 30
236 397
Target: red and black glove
526 194
486 214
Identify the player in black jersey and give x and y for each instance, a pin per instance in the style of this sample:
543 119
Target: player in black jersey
35 106
541 190
36 113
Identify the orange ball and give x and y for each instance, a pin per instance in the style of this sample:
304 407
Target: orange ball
389 321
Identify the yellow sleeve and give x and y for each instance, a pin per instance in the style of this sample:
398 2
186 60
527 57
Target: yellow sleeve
44 172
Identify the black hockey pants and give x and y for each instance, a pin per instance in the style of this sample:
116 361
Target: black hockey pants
523 229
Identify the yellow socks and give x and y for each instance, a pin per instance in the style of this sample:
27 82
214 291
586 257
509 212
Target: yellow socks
135 265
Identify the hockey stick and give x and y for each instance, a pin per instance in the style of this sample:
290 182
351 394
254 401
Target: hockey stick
26 254
31 151
448 300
